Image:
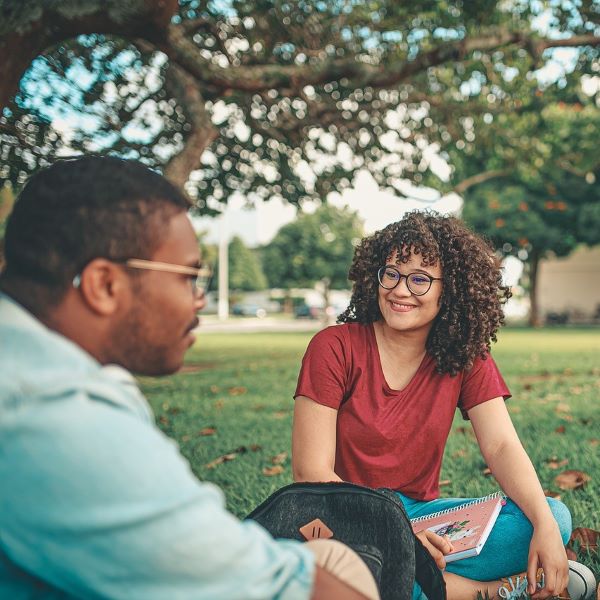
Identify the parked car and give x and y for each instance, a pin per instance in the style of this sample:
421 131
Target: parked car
304 311
248 310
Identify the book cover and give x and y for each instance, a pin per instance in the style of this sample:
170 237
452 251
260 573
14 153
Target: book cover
467 526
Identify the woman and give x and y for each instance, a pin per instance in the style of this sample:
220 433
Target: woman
376 397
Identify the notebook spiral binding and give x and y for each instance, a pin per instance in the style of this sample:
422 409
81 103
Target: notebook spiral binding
459 507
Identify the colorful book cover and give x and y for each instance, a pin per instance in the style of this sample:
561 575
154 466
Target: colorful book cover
466 526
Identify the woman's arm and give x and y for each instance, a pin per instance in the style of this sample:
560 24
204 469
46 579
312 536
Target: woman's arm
510 465
313 441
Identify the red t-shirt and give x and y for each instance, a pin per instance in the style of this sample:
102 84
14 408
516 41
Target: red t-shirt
385 437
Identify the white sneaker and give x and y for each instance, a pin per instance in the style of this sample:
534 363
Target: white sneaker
581 586
582 583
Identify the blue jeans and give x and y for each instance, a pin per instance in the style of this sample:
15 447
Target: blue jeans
505 551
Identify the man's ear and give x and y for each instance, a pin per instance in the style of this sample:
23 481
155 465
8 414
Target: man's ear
103 286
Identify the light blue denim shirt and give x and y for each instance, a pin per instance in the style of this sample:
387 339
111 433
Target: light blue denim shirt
95 502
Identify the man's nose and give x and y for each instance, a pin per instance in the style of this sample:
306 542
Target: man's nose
200 301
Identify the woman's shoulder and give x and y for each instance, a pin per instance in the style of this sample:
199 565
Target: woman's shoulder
349 332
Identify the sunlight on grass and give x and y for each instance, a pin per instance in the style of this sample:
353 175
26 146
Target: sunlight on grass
234 398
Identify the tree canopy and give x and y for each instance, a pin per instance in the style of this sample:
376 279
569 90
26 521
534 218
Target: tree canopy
548 202
277 97
245 271
313 247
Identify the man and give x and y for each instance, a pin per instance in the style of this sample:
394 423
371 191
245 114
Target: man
100 274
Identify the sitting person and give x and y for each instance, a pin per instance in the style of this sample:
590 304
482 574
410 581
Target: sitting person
100 279
376 397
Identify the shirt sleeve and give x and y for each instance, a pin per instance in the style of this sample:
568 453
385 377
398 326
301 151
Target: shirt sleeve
323 373
481 383
102 505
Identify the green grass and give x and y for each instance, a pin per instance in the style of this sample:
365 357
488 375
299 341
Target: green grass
242 384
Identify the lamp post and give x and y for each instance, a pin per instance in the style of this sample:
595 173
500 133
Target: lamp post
223 305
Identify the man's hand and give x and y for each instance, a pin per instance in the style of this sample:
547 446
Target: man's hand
436 545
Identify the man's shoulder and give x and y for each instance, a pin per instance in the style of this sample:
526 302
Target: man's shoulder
39 364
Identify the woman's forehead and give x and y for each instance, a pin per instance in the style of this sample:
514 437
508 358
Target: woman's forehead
415 257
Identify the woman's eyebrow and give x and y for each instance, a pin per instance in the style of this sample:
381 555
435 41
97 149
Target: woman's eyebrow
417 270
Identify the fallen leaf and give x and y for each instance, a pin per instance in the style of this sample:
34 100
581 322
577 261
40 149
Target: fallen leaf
552 494
463 430
279 458
214 389
219 404
163 419
444 482
587 538
185 438
562 407
238 390
571 554
555 463
258 407
514 409
527 386
255 447
571 480
208 431
487 471
560 429
175 410
270 471
568 418
460 453
219 460
280 414
594 442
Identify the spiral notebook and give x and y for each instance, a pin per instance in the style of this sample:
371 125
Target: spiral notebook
466 526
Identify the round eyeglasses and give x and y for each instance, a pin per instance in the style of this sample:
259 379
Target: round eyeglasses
417 283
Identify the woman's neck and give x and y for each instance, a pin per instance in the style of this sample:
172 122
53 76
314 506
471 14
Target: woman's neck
405 345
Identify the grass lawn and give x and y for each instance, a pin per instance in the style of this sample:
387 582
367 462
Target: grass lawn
234 397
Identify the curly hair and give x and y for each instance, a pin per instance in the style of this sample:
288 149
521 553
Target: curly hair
472 293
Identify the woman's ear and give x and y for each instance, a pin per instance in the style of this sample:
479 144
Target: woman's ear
103 286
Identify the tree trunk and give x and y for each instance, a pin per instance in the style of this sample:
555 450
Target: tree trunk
327 318
534 316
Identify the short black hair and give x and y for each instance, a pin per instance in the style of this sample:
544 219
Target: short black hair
79 209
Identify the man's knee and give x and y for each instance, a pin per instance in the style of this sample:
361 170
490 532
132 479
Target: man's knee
342 562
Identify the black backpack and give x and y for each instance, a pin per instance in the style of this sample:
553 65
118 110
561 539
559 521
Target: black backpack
372 522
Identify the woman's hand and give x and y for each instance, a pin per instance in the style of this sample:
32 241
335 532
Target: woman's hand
546 550
436 545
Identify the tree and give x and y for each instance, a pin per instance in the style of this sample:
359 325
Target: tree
549 202
245 271
249 94
317 247
6 203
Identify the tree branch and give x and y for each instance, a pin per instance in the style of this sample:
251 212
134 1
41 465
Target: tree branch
185 89
469 182
28 39
256 78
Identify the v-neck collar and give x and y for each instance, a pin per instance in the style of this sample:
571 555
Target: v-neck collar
377 355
